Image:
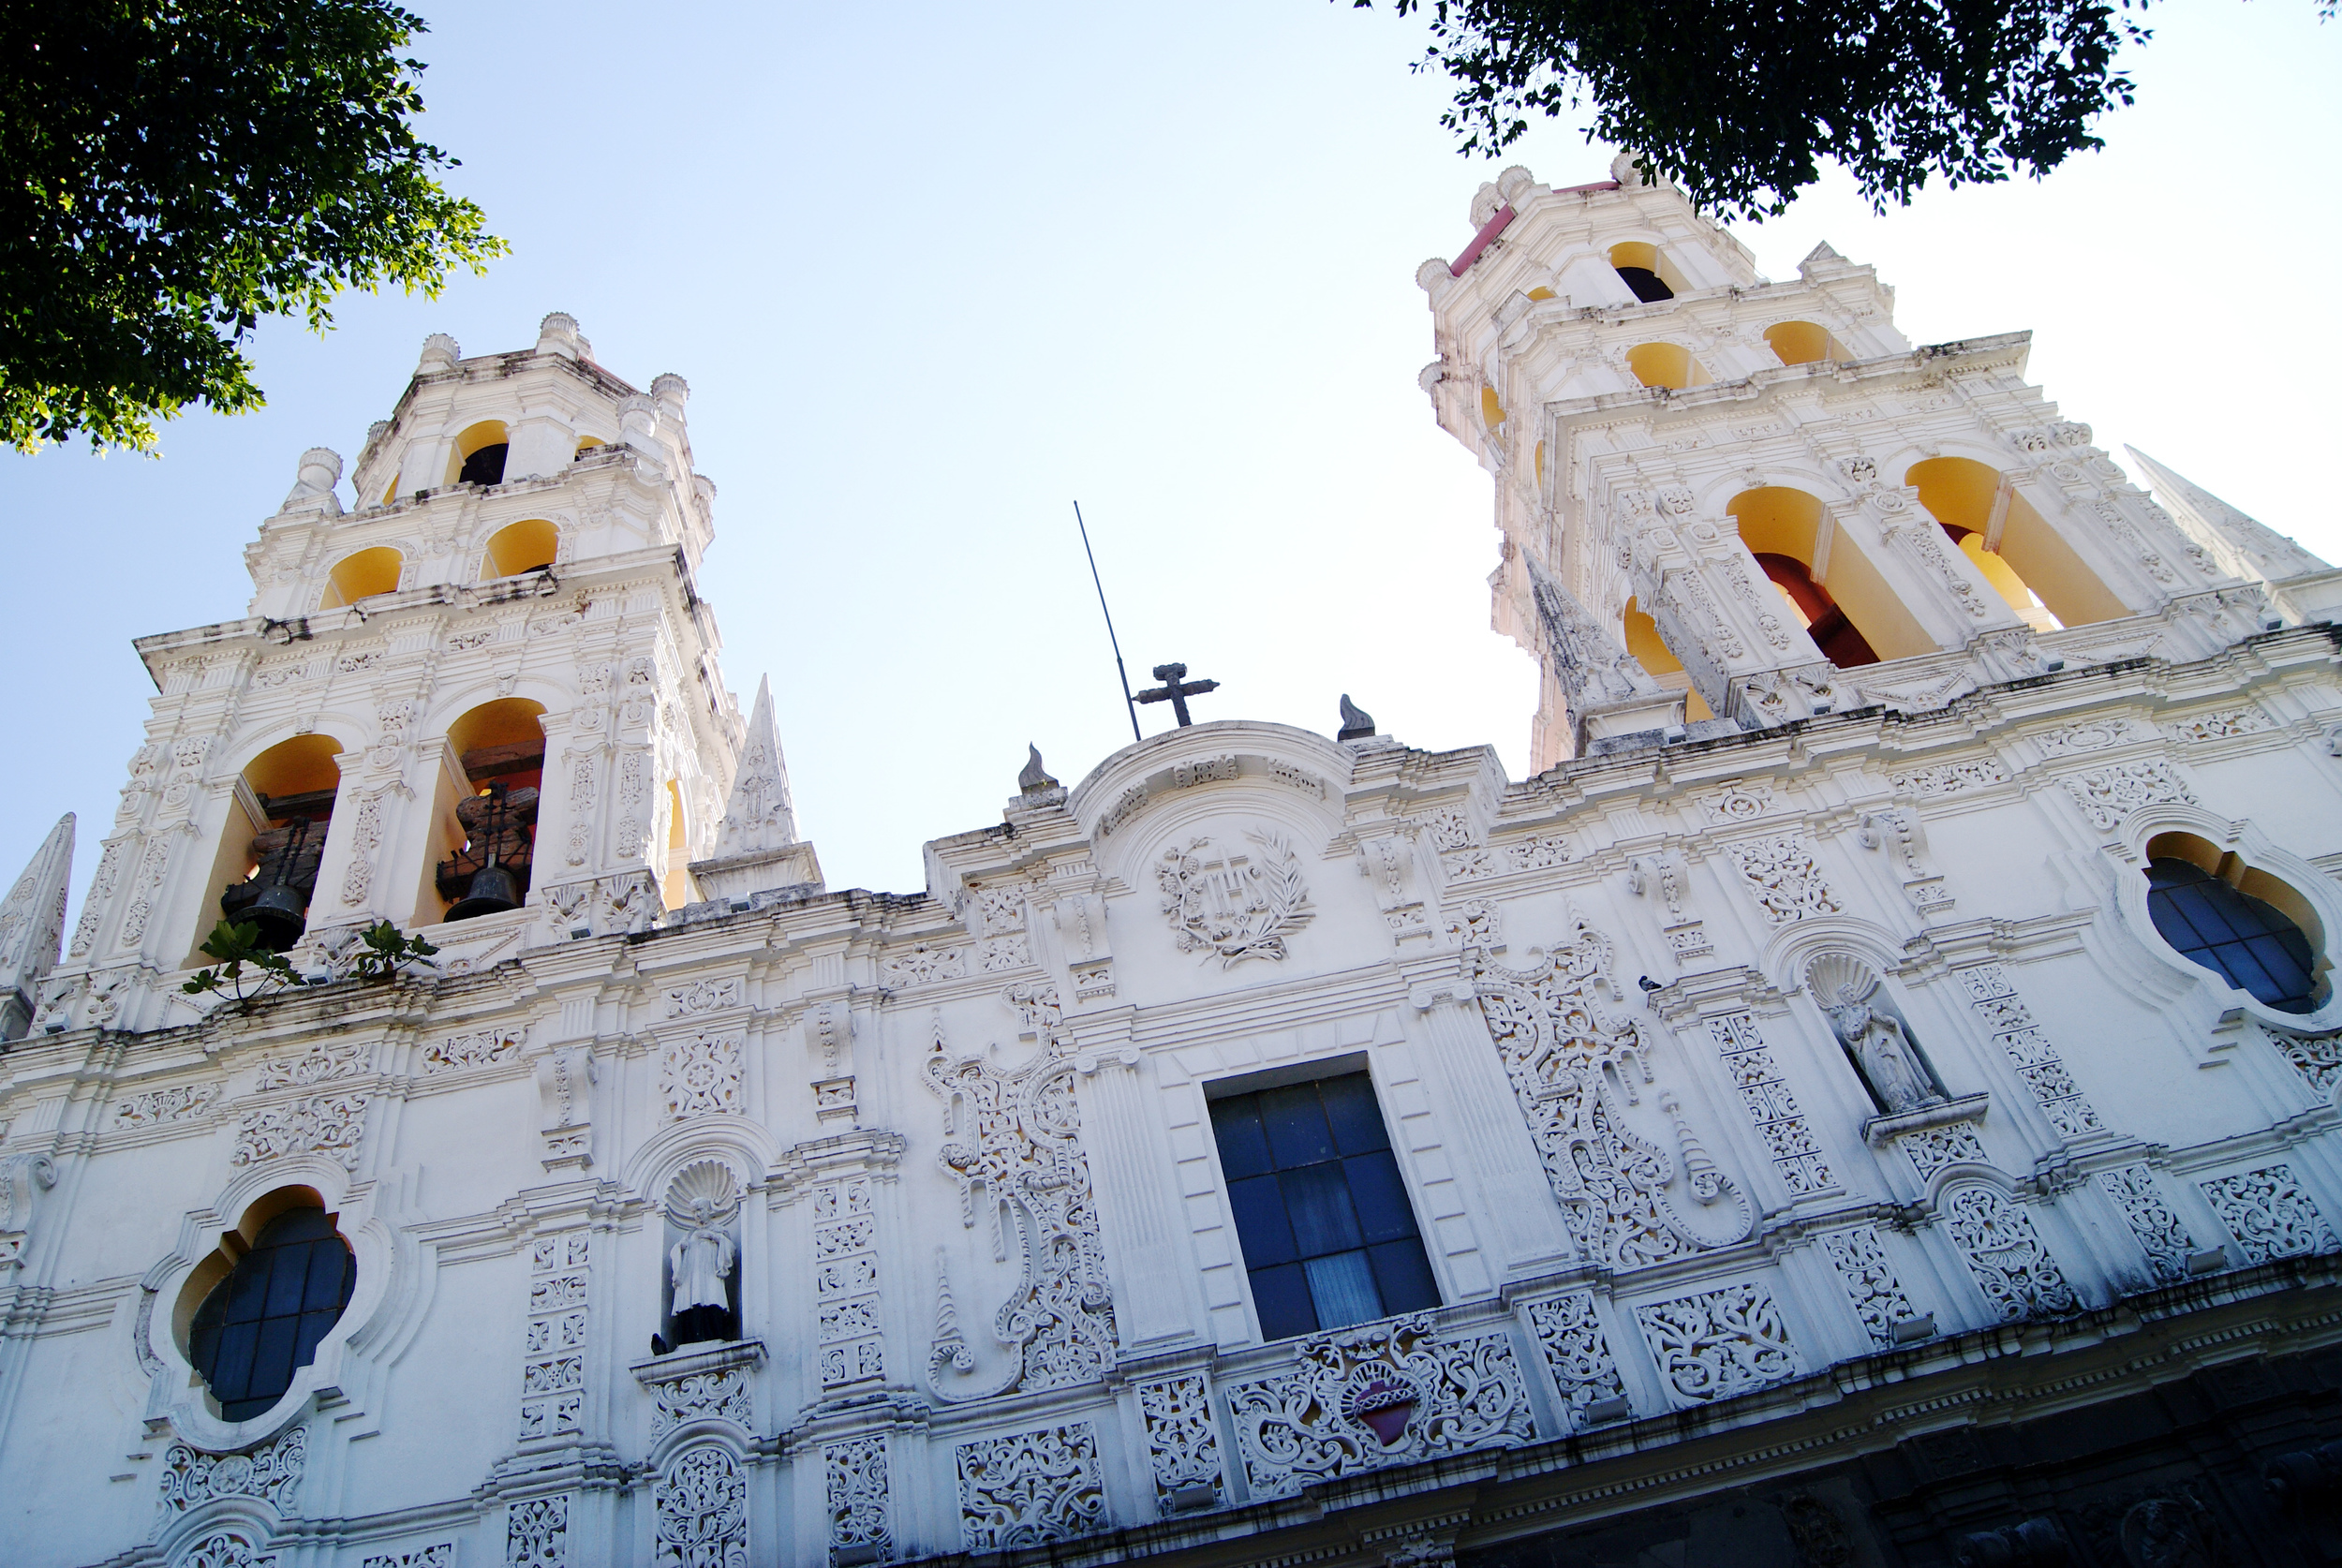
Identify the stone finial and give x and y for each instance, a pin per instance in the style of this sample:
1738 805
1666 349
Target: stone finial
1034 779
321 469
557 335
673 392
31 928
1357 723
1486 203
440 352
759 815
1631 172
1433 271
638 423
1516 184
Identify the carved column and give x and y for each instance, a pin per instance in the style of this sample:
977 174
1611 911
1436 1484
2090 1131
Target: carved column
1524 1230
1137 1197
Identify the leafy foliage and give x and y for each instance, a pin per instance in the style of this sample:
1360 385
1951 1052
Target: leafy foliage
1737 101
382 952
173 170
246 971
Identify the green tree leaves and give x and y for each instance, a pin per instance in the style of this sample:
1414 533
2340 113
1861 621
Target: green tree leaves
1737 101
173 170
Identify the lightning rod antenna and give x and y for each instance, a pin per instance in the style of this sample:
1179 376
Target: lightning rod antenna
1111 639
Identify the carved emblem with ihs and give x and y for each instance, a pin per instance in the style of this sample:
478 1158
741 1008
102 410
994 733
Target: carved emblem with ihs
1236 903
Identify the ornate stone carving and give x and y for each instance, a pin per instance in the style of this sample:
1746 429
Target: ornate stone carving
998 955
2095 735
1781 873
1716 1344
1931 1148
702 996
2014 1269
1563 1054
2010 1023
438 1555
723 1392
1771 1108
2220 725
1449 828
2270 1214
181 1102
100 891
1475 924
2109 794
270 1472
856 1475
845 1283
1017 1136
324 1060
1578 1354
480 1048
699 1074
919 964
366 836
328 1124
703 1506
2318 1061
2161 1232
1948 778
150 879
1030 1487
1233 905
1870 1281
537 1532
228 1548
553 1369
1182 1443
1540 854
1379 1394
1741 800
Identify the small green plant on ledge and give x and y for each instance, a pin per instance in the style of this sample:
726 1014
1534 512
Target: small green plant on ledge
246 971
383 952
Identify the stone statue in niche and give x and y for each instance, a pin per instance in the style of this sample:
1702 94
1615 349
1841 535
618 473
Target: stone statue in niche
1882 1052
703 1265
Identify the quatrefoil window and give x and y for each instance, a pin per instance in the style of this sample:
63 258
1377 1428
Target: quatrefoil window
261 1324
2252 930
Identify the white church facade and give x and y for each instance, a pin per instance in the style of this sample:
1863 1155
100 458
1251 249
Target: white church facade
1869 1098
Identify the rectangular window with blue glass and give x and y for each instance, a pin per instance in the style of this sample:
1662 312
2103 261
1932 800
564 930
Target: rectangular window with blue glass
1329 1238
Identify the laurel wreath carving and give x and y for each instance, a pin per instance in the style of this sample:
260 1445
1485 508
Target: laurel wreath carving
1277 902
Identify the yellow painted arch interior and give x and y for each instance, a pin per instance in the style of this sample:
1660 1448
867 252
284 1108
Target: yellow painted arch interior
1641 635
1778 520
2033 563
300 766
1803 343
361 576
520 547
1666 365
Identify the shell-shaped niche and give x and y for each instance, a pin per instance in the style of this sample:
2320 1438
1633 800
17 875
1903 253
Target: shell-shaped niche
709 1179
1835 978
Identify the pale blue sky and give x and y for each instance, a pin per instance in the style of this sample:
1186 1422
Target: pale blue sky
933 272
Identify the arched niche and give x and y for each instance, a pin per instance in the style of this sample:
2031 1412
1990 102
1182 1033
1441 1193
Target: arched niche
361 576
490 772
2027 561
2250 929
1666 365
272 840
1645 269
1640 634
700 1255
478 454
1804 343
519 547
1841 597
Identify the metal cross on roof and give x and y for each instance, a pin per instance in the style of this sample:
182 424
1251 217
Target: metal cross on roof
1176 689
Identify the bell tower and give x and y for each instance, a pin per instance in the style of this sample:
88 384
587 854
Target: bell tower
484 702
1726 502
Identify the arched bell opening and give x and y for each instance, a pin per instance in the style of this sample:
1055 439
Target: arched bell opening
361 576
519 547
253 1312
2254 930
1667 365
1645 271
480 454
675 885
266 864
1491 408
2027 561
484 816
1829 584
1804 343
1640 634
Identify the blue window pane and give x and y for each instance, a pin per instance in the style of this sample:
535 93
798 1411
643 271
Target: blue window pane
289 1268
1317 1201
1358 1121
1343 1287
1296 1123
2247 942
1404 1274
1243 1147
327 1264
313 1327
1261 1227
247 1289
273 1358
1282 1297
1381 1197
234 1366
